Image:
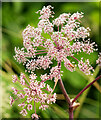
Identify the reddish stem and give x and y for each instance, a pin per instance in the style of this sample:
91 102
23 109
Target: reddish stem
58 28
40 53
64 92
61 26
45 80
26 80
66 95
25 84
75 58
70 113
42 50
67 99
49 34
44 38
56 43
34 106
85 88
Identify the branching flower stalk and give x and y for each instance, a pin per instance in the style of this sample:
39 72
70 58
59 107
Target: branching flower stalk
65 38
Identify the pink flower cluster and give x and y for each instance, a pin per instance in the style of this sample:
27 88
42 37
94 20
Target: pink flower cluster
65 38
62 43
85 67
98 61
32 92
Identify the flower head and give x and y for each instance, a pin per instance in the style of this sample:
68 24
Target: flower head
98 61
11 100
23 112
33 90
35 116
62 43
65 38
14 77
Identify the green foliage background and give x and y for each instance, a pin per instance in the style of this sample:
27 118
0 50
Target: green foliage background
15 17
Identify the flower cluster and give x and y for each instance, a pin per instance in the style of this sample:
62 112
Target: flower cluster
32 92
86 47
85 67
62 43
98 61
65 38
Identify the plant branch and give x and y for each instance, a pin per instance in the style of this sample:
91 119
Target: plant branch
34 106
64 92
66 95
75 58
85 88
81 101
67 99
40 53
63 88
42 50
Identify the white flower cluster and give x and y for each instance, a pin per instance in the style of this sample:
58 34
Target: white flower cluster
65 38
61 19
32 91
98 61
85 66
59 46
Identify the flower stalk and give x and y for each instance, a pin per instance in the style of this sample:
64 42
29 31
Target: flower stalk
69 101
66 96
85 88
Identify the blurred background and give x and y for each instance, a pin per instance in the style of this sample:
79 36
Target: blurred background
15 17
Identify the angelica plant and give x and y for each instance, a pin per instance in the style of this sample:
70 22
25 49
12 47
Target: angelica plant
66 38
